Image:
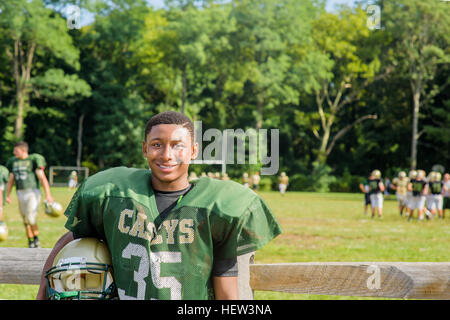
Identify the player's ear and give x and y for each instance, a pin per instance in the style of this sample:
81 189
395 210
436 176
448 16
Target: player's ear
194 150
144 148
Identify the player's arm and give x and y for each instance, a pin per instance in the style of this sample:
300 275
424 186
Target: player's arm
43 179
361 186
425 189
65 239
224 276
381 186
409 186
226 288
9 186
394 185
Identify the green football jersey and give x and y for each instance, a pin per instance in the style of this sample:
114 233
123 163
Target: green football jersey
170 258
24 170
4 173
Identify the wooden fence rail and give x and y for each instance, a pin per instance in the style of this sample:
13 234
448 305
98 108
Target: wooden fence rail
414 280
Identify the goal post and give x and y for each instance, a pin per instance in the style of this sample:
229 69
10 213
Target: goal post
59 176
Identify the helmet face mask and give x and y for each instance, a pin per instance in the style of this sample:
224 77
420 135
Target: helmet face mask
53 209
76 276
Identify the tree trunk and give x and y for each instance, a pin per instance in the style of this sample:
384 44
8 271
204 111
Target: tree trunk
415 125
260 106
18 128
79 139
184 90
22 75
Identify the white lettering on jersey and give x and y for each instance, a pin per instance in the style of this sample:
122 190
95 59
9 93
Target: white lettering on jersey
177 231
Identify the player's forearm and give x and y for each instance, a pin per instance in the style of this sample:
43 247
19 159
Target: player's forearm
226 288
65 239
43 179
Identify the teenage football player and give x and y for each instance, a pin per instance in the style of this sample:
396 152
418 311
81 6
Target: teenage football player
364 187
27 172
168 238
400 185
255 180
419 189
3 180
376 189
73 180
436 189
245 179
283 181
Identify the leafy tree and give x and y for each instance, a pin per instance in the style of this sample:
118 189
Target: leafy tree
420 32
31 31
341 63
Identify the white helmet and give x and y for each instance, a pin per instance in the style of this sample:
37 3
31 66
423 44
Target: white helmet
376 173
82 269
3 231
402 174
412 174
53 209
421 174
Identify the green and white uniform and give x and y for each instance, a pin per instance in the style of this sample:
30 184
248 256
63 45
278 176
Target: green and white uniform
376 196
418 198
27 184
436 190
170 258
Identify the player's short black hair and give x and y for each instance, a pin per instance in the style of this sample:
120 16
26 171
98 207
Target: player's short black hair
21 144
170 117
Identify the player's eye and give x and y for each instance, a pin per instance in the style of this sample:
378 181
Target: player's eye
156 145
179 146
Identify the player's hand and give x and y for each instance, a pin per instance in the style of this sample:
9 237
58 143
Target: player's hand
49 199
8 199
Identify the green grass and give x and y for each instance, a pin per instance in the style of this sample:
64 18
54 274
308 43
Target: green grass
317 227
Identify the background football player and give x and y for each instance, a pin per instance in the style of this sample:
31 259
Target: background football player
169 238
283 181
400 185
376 189
436 189
27 172
419 189
364 187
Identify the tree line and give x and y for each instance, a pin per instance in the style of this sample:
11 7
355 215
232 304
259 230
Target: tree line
346 98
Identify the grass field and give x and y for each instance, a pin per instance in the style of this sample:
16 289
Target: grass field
317 227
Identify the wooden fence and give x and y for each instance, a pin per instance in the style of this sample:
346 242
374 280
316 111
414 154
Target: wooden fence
413 280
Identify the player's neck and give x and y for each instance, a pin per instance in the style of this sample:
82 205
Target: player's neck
175 185
23 156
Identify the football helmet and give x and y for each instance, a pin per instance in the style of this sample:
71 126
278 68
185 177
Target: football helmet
376 174
3 231
412 174
402 174
421 174
82 269
53 209
437 176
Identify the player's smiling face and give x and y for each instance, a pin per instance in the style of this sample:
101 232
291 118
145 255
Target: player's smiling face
168 149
